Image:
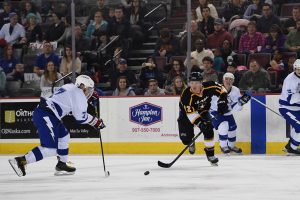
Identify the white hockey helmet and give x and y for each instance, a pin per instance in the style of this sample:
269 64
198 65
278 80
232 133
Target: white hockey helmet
228 75
296 64
88 85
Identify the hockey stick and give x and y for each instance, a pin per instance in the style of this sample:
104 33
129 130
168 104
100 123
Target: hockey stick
261 103
106 173
168 165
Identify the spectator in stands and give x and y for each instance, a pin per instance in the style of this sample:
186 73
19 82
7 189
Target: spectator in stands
200 53
123 88
209 74
232 68
97 25
33 30
29 7
50 76
293 39
226 50
290 24
251 40
150 71
122 71
81 42
153 89
235 9
275 40
195 34
288 65
119 26
66 62
277 66
68 31
167 44
219 64
56 29
42 59
216 39
8 62
135 15
256 78
177 86
253 11
178 69
207 24
204 3
4 16
13 32
100 6
2 83
265 22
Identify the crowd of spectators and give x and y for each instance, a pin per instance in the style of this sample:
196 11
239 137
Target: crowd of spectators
233 39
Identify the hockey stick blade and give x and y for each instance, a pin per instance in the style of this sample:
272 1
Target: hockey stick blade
168 165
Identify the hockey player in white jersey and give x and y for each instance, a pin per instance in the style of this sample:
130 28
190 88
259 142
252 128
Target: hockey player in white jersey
289 107
225 124
54 137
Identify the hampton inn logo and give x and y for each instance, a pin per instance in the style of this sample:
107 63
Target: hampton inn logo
145 114
10 116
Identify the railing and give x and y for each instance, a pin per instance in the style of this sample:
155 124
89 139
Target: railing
155 23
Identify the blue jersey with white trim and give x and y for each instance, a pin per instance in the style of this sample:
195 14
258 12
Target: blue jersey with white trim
290 94
69 98
233 96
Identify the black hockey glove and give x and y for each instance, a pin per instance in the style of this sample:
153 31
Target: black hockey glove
222 107
97 123
245 98
205 122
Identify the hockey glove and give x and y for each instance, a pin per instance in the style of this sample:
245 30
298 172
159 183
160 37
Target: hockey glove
205 123
97 123
245 98
222 107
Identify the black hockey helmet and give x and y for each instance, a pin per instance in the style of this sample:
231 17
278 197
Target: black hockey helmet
196 76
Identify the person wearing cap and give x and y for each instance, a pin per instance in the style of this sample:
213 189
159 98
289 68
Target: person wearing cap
56 29
194 106
216 39
122 71
289 107
30 8
13 32
225 124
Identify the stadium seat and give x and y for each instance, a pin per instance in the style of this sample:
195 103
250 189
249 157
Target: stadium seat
241 59
287 55
273 79
262 58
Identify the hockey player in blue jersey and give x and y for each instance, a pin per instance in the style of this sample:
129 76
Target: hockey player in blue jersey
225 124
54 137
289 107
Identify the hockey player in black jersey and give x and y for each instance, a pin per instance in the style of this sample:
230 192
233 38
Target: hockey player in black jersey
195 102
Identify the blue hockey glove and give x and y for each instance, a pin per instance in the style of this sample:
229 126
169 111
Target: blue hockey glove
245 98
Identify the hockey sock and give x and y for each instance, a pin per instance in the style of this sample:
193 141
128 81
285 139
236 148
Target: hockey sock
231 138
295 138
63 148
38 153
223 134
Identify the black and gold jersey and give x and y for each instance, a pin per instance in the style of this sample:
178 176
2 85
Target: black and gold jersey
193 105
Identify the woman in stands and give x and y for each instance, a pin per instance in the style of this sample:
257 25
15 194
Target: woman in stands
97 25
123 88
177 86
66 62
33 29
8 62
50 75
178 69
29 7
275 40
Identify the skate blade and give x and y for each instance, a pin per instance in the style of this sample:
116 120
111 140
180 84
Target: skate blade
63 173
14 165
290 154
214 164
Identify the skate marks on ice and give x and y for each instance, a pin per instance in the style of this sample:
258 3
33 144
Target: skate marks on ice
191 177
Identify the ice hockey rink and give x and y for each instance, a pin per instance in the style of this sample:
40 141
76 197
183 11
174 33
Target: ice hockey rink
253 177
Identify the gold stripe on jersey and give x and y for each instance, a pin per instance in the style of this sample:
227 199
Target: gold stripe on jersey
193 122
193 117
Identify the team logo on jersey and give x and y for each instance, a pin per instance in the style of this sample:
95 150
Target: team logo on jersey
10 116
145 114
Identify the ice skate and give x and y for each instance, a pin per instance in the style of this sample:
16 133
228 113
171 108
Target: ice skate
225 150
64 169
235 150
210 154
192 148
290 151
18 165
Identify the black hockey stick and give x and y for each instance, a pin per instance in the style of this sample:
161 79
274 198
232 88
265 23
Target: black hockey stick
106 173
168 165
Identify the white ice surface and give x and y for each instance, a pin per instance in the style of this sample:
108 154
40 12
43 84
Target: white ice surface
191 177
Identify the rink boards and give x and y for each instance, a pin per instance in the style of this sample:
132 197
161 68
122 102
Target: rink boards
145 125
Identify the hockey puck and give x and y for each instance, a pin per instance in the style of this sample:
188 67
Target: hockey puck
146 173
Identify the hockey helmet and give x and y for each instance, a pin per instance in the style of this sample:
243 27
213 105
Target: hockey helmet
196 76
296 64
88 84
228 75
